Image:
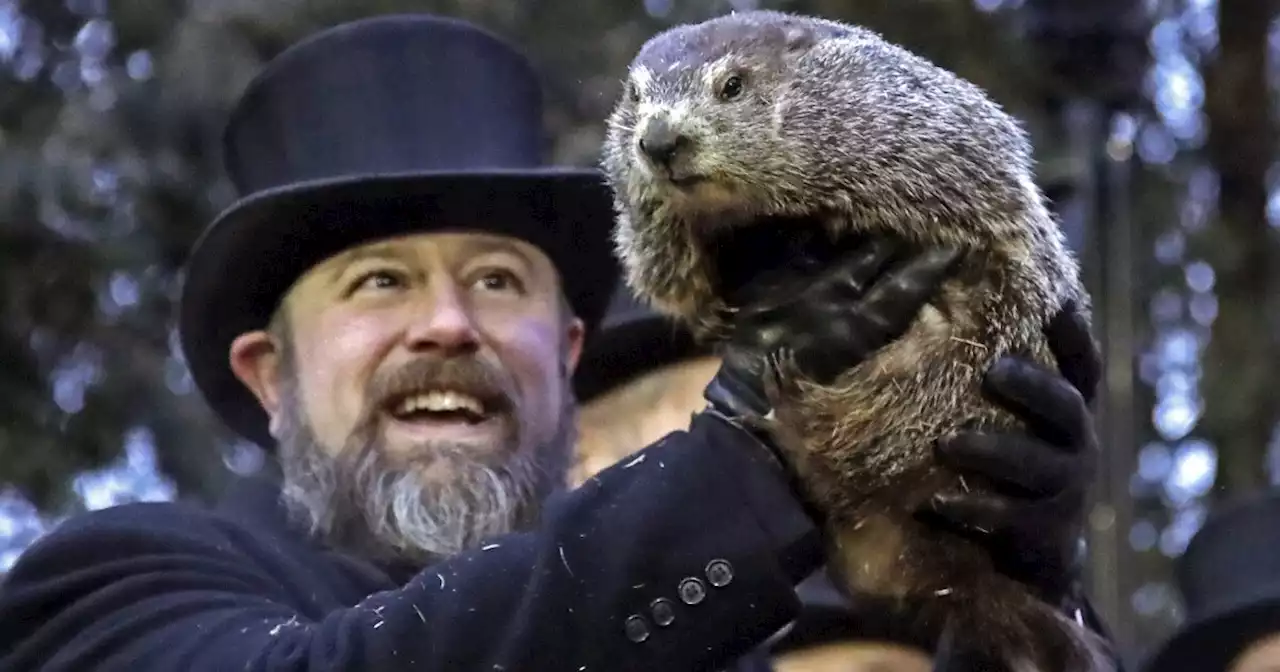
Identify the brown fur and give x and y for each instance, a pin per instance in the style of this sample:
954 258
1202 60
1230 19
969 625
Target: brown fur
836 122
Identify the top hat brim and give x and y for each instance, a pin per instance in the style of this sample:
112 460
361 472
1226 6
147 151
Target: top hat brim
622 352
1210 643
257 248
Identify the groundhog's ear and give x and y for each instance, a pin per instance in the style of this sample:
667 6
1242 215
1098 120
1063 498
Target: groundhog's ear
798 38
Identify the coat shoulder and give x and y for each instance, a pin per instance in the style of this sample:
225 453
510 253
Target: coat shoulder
178 518
127 529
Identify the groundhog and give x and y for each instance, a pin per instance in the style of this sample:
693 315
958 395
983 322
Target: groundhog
760 142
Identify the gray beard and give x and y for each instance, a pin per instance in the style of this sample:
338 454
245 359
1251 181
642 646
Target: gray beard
363 503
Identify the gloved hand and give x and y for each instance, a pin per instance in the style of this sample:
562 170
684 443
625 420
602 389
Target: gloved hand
826 323
1033 525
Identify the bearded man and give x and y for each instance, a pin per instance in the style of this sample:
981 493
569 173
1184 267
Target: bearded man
397 304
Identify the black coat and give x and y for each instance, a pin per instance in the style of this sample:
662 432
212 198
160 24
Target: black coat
701 527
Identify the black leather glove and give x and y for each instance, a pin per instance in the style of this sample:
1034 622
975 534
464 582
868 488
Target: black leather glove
1033 525
826 321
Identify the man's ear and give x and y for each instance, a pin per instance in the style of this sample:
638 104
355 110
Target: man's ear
573 340
255 359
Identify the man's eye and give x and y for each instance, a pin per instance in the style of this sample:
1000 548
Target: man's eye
380 279
501 281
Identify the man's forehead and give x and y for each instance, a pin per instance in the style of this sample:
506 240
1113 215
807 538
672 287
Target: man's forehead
447 244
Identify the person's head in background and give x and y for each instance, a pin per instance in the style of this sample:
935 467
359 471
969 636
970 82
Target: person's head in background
642 377
639 379
1229 579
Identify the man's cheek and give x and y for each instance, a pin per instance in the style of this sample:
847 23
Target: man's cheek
539 361
329 407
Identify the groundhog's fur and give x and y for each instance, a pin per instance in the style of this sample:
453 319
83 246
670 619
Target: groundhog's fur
832 121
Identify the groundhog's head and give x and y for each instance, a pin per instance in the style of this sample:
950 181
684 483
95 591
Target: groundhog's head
812 127
697 122
691 151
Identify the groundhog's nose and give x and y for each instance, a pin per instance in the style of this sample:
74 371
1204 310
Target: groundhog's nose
660 142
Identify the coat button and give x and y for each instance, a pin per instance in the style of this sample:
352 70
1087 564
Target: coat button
692 591
719 573
637 630
664 611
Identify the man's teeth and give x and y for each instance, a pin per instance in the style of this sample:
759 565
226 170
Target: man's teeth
440 402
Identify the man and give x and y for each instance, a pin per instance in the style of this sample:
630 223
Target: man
641 377
397 303
1229 578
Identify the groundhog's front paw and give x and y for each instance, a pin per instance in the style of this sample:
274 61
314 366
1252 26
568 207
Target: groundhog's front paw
779 376
715 325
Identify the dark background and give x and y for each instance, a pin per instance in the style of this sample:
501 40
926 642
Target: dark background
1155 127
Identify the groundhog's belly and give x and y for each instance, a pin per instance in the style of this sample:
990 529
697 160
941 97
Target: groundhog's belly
865 443
931 327
864 446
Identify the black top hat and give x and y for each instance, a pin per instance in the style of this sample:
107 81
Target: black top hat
1229 578
633 340
373 129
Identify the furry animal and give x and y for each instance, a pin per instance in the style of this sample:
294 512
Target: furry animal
758 142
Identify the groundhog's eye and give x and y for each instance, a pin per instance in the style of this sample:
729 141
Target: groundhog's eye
731 88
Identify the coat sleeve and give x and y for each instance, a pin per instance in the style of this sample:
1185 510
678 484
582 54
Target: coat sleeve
683 557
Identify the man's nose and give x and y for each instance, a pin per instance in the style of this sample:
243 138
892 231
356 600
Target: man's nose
443 323
660 141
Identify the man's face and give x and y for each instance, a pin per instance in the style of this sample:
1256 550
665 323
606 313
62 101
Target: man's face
420 393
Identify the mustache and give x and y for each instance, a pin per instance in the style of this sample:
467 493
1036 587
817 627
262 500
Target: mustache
469 375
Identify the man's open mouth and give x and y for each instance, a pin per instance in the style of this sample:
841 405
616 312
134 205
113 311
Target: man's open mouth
439 406
769 257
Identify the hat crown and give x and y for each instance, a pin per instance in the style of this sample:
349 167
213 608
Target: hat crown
1234 557
393 94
